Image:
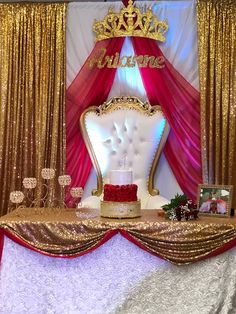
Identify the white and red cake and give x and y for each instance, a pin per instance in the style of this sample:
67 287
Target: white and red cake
120 196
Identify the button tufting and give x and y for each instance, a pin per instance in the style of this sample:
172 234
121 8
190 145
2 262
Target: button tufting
113 152
107 141
119 140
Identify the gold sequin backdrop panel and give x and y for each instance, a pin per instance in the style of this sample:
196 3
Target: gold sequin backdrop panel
32 91
217 72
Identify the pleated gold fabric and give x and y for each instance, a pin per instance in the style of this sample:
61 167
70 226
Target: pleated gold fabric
63 232
32 91
217 72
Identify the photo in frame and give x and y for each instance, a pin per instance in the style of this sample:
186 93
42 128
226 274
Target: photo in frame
214 200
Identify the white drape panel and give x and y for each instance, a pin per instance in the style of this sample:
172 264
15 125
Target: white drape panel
180 49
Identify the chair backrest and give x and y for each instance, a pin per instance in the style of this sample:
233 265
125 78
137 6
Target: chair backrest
125 133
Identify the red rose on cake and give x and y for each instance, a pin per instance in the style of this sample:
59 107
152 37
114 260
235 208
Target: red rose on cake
120 193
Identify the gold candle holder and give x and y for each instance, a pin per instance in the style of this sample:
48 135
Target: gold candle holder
29 184
16 197
48 173
64 181
77 193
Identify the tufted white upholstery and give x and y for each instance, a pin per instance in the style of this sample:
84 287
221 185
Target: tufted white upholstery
126 139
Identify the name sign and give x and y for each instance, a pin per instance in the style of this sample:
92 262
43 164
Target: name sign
115 61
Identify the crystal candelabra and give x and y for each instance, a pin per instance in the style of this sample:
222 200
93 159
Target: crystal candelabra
48 197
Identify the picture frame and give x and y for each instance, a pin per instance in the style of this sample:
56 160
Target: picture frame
214 200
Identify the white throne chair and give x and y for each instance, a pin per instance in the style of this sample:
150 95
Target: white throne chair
125 133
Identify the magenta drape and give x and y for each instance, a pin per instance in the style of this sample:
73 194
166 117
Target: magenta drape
90 87
180 103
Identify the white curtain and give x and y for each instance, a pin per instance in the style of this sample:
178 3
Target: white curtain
180 49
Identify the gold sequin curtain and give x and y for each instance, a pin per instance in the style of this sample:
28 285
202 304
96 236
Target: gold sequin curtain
217 73
32 90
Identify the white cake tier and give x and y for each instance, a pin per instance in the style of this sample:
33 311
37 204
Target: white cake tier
121 177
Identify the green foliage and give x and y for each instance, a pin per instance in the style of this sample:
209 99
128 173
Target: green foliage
175 202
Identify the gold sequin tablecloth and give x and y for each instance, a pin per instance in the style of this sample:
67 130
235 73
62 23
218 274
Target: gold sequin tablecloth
70 233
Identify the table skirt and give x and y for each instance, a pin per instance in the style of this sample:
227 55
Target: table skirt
118 277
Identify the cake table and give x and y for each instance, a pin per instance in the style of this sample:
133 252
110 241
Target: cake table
117 269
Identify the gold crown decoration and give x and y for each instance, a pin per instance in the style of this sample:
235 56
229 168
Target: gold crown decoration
130 22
